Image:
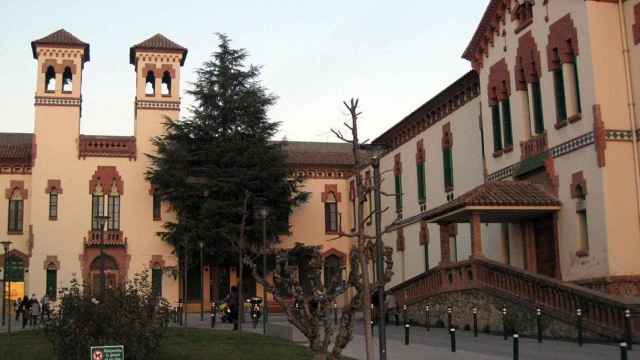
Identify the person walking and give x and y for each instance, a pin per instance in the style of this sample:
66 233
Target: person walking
26 311
232 303
36 310
18 308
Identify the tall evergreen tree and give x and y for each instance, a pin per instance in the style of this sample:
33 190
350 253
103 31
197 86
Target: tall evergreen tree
226 144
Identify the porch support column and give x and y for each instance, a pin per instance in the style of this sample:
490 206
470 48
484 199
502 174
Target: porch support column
445 251
476 235
529 240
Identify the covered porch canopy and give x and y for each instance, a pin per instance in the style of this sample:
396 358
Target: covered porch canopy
496 202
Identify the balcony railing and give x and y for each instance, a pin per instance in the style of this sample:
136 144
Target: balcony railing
603 314
111 238
534 146
107 146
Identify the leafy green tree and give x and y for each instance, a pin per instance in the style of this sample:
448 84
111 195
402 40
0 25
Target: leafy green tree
225 143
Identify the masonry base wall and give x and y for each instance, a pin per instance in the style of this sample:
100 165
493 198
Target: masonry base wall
519 318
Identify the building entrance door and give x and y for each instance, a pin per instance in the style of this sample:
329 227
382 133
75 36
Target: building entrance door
545 246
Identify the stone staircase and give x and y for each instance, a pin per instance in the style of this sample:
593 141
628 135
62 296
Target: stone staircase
603 315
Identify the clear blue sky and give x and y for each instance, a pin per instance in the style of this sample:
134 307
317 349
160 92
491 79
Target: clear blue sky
393 55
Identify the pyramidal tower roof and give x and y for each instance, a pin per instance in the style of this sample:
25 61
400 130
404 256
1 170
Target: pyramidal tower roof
157 42
61 37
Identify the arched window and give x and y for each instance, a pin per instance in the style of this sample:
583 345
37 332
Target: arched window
150 84
97 207
67 80
165 88
332 273
113 209
16 212
50 80
52 281
583 224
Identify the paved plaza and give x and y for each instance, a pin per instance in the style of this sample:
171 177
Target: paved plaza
436 344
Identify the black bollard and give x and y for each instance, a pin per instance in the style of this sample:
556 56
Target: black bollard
213 315
579 326
407 327
623 351
397 317
627 329
516 346
335 313
373 325
539 324
427 320
504 323
449 316
452 333
475 322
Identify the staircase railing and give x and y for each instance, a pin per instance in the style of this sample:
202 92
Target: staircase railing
601 313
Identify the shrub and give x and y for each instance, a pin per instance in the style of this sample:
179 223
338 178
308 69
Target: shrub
128 315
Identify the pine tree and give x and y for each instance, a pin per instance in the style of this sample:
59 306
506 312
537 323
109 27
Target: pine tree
225 142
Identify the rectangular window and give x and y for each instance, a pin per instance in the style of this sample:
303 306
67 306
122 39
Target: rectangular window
331 217
422 184
506 123
52 284
157 206
53 206
497 132
577 84
113 212
583 228
156 282
398 181
538 116
97 209
447 159
16 210
561 104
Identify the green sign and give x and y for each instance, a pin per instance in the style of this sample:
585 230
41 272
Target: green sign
107 352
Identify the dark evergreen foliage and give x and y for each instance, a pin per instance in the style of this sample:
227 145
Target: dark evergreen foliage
225 144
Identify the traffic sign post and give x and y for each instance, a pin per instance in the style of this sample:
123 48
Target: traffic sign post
107 352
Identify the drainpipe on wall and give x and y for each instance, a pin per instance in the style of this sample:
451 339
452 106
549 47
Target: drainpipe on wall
631 100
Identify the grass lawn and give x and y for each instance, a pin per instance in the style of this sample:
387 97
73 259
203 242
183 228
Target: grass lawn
178 344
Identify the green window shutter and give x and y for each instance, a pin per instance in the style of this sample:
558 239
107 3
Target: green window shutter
52 284
506 122
156 282
398 180
422 185
577 85
448 168
497 133
561 105
538 116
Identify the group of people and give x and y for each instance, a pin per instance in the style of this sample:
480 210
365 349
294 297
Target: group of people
32 310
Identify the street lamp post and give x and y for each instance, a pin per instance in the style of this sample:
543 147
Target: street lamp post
6 289
186 270
262 212
201 243
379 257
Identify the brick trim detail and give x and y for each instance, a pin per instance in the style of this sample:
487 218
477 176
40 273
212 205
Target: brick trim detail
53 185
51 260
397 165
333 251
156 262
400 242
635 28
331 188
16 185
528 68
578 180
106 176
599 135
420 153
563 37
424 234
120 256
499 86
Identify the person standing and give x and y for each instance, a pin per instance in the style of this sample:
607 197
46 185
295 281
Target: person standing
36 310
18 308
232 303
26 311
45 307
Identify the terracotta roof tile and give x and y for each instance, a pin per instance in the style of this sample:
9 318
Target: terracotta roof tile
16 149
157 42
499 193
61 37
320 154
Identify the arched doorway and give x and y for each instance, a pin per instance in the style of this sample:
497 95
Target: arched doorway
110 270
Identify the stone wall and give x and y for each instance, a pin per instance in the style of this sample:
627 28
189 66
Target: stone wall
519 318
